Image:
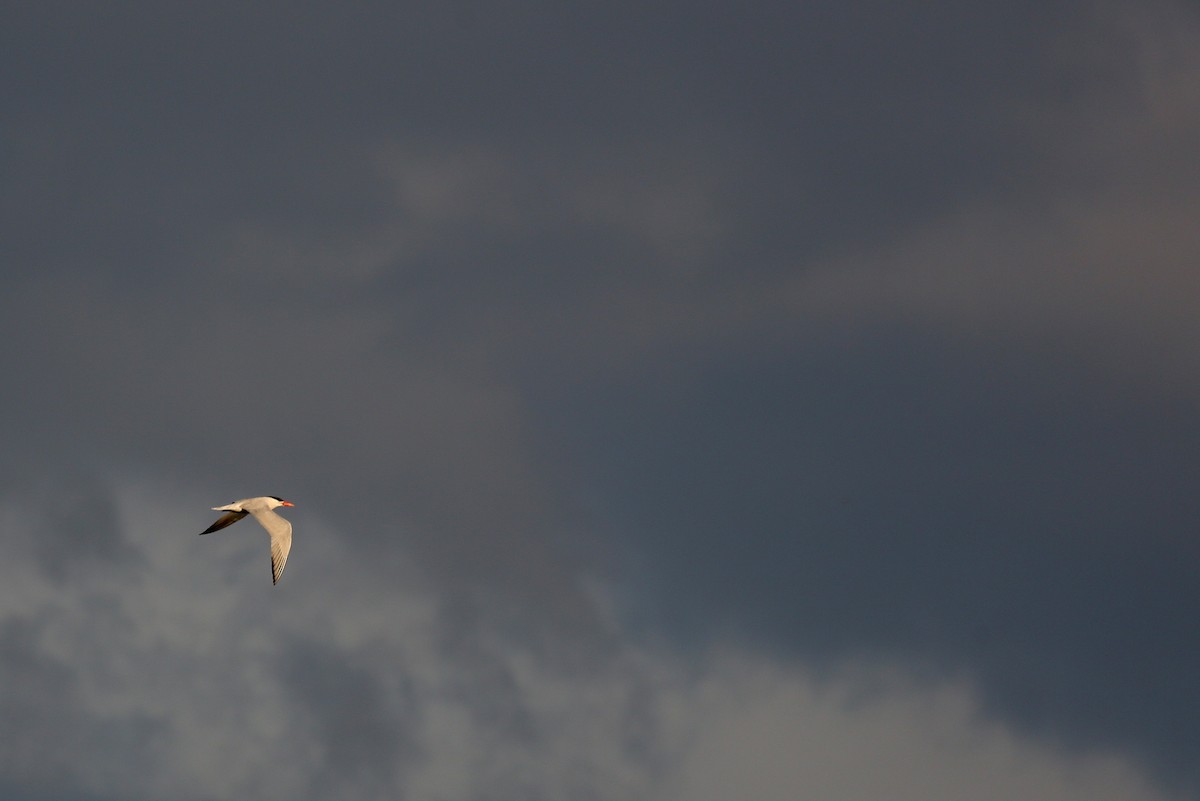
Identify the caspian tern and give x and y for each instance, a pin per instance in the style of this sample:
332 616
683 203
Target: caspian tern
263 510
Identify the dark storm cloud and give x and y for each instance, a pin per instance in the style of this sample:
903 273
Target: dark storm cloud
969 509
455 275
137 131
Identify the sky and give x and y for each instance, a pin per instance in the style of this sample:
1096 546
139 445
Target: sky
680 402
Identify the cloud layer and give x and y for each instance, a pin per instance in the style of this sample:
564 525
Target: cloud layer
216 687
649 381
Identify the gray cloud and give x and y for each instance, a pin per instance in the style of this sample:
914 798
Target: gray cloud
48 724
836 333
81 531
1030 551
215 687
364 728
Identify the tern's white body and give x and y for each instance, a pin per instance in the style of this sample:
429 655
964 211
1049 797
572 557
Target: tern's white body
263 508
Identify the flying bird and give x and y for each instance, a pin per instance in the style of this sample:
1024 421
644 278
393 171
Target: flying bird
263 509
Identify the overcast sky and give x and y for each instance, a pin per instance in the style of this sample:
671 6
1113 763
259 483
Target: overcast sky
681 402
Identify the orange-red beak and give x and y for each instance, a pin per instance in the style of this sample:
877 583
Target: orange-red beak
286 503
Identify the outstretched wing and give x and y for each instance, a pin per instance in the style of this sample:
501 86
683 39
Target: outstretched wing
280 530
224 520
